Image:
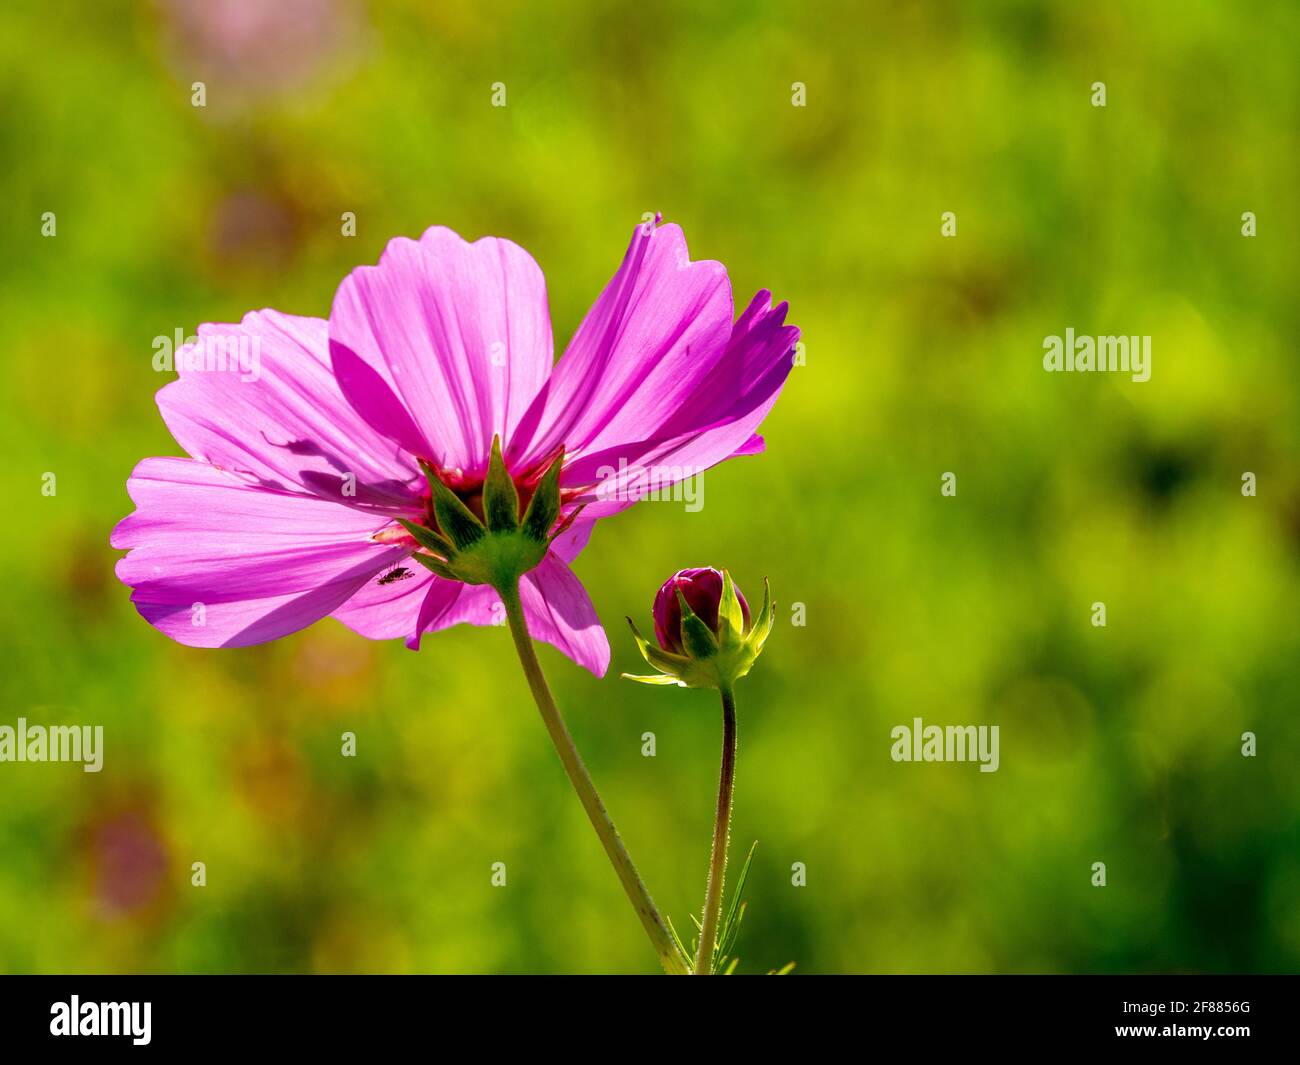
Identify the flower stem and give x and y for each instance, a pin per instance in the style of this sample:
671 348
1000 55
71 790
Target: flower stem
660 937
721 831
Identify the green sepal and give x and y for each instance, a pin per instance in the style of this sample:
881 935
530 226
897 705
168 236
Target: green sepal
657 656
729 929
500 497
434 566
731 619
499 559
455 519
655 678
544 507
697 640
428 539
762 627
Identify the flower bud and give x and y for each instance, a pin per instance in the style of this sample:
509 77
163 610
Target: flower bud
703 631
702 590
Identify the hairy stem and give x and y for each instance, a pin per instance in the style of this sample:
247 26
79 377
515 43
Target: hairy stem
660 937
721 831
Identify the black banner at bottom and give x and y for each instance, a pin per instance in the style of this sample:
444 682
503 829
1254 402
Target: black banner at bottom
144 1014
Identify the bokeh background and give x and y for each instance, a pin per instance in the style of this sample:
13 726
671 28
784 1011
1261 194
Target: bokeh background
923 355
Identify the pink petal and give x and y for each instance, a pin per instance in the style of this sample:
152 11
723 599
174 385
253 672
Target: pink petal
556 607
569 544
741 387
443 344
448 603
655 331
717 421
262 564
388 611
280 417
559 612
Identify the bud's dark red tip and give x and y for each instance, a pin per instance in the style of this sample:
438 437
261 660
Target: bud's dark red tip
702 589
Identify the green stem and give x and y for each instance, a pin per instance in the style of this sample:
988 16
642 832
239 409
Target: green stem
721 830
660 937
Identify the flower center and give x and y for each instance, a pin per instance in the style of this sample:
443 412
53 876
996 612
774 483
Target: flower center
468 488
470 492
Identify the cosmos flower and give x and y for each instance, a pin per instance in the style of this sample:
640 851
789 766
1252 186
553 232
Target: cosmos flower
305 461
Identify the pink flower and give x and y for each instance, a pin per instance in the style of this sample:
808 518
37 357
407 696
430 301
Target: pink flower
305 437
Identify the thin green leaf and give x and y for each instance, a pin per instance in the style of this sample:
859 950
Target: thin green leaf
735 913
733 933
738 892
678 941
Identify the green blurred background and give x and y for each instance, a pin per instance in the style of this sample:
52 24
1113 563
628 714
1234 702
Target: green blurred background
923 355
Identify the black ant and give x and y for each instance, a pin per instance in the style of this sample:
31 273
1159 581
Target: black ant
401 573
